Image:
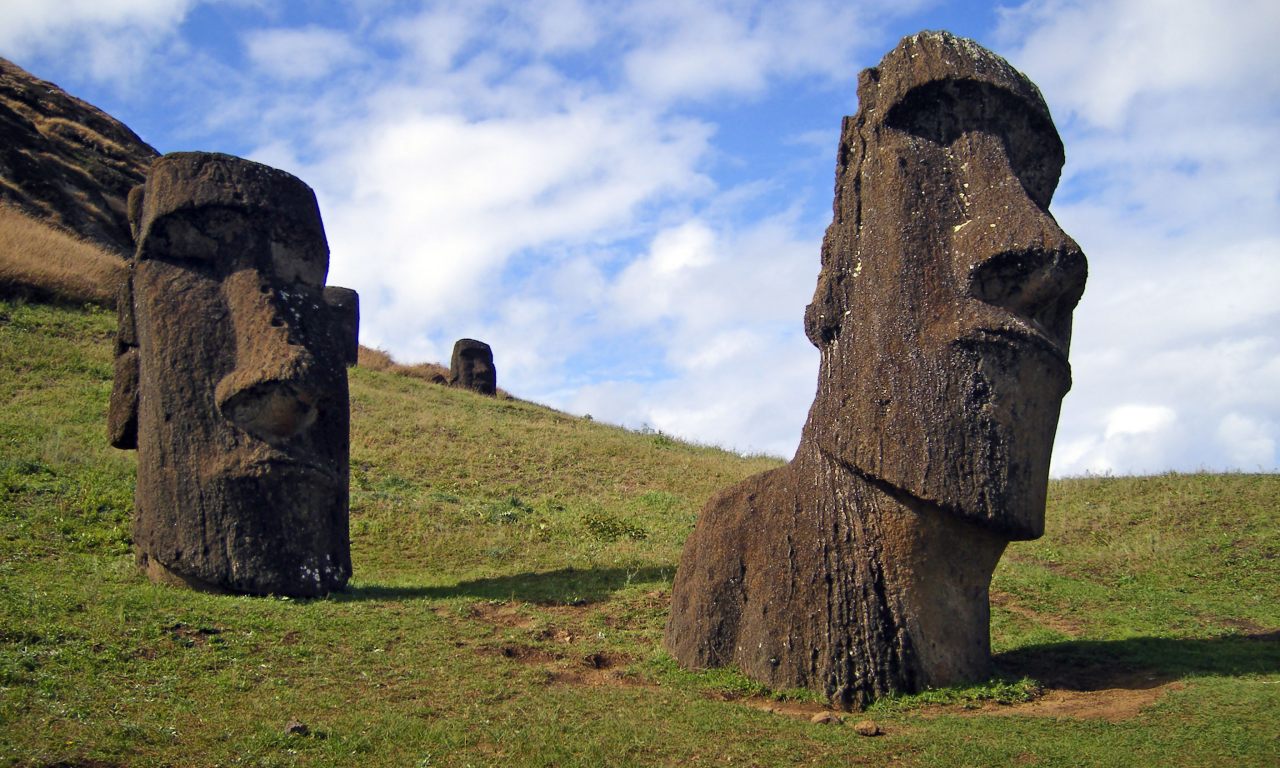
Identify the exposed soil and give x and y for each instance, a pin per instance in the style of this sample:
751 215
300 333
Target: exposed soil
1250 629
570 668
1095 692
1058 624
1125 701
1112 704
501 615
557 655
188 635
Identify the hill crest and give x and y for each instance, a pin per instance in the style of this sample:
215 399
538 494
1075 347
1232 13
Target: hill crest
66 162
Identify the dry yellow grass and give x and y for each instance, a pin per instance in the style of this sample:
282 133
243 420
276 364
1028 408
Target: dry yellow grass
40 262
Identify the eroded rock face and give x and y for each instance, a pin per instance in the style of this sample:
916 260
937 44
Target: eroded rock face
231 381
471 367
66 162
943 315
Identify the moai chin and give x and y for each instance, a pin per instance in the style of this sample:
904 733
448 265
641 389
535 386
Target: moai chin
943 316
471 367
231 383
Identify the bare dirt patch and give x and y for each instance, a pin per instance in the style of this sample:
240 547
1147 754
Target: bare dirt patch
1112 704
801 710
1057 623
184 634
1086 693
570 668
502 615
1247 627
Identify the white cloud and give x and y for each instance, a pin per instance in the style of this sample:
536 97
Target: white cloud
701 48
1139 420
1136 438
106 38
723 301
485 192
300 54
1247 443
547 175
1169 113
425 211
1103 57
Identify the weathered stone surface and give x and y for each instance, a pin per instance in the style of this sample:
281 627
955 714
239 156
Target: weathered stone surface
471 367
233 360
346 307
943 316
66 162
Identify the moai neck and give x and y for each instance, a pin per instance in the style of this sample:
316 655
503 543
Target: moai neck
937 571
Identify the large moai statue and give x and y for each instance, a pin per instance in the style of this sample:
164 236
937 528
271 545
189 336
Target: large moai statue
943 316
231 383
471 367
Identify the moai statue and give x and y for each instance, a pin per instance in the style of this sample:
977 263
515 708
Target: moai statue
230 381
943 316
471 367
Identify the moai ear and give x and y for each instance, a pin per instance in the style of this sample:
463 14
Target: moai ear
345 304
122 413
135 210
822 317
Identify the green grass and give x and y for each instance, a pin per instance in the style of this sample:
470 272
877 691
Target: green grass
512 577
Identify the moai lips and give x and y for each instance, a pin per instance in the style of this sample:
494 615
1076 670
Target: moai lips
943 317
231 381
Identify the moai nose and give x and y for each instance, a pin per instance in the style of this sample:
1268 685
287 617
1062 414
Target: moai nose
1012 254
267 394
1040 286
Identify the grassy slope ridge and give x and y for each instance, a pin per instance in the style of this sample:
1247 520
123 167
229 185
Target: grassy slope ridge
512 577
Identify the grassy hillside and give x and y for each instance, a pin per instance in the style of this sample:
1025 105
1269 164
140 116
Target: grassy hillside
42 262
512 575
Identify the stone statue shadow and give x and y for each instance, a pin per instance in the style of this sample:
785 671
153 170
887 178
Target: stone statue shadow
1140 662
565 586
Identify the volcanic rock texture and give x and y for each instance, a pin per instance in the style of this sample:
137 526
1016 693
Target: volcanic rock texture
471 367
943 317
65 161
231 382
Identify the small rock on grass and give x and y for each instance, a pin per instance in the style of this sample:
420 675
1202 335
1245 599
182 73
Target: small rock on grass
825 718
867 728
295 728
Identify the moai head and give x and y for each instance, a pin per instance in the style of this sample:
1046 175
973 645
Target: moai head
231 381
943 309
471 367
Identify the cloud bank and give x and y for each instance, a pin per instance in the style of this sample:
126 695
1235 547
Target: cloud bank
626 199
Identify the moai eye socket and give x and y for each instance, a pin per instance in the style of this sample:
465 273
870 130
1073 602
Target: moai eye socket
175 237
944 110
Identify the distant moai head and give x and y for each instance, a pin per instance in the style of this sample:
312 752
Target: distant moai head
943 308
471 367
231 381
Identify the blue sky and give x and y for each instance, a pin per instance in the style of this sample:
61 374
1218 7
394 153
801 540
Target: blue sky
626 199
